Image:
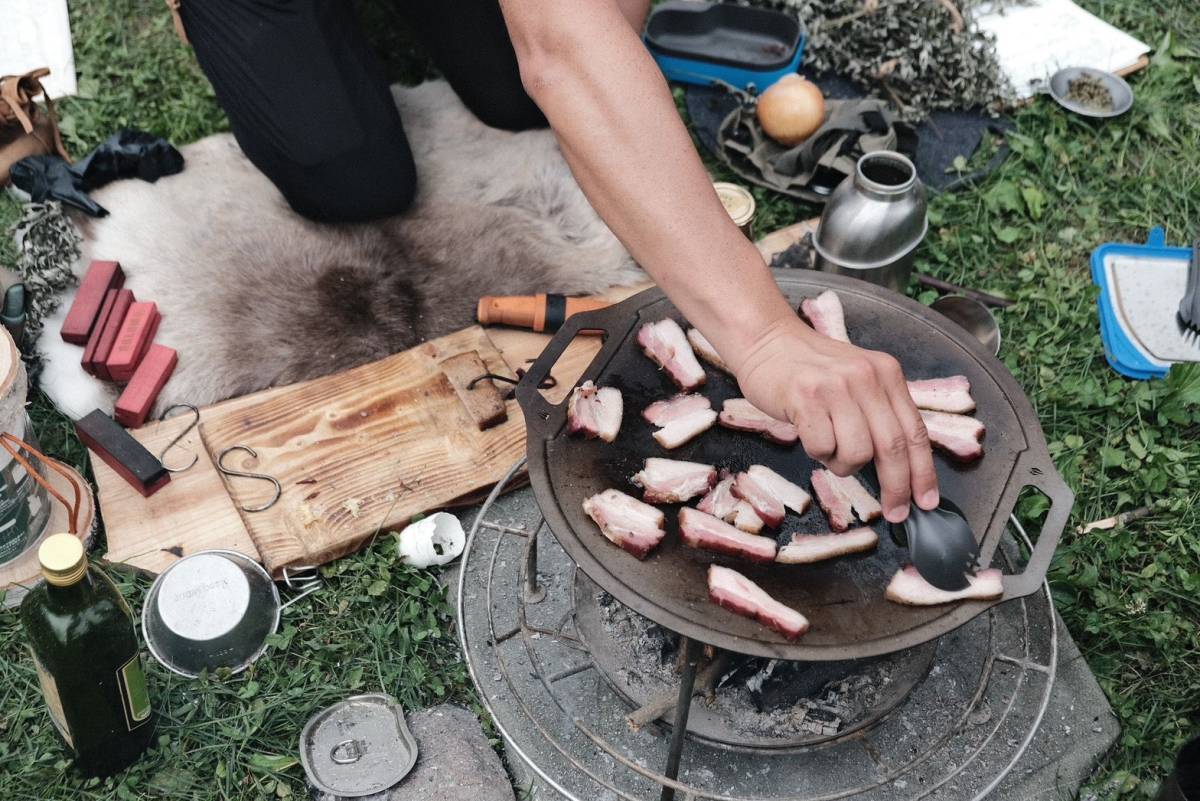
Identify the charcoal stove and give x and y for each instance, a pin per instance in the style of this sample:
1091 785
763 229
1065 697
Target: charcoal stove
889 702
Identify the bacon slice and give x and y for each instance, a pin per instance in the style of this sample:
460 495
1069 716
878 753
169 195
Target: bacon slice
741 415
595 411
842 498
825 314
804 549
665 343
719 502
958 435
766 504
950 394
635 526
745 518
680 419
705 350
908 588
738 594
700 530
673 481
793 496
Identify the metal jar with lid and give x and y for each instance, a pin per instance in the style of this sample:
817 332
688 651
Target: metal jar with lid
739 204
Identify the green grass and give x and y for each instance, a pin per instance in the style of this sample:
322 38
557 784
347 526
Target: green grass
1131 597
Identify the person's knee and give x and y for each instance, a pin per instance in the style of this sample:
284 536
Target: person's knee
354 188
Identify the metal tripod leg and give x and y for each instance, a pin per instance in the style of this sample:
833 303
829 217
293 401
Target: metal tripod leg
534 593
687 683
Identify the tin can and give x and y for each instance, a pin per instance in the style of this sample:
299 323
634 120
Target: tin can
358 747
739 204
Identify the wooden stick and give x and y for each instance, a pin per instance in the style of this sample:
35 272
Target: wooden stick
706 681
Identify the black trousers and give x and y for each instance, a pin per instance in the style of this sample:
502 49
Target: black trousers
310 107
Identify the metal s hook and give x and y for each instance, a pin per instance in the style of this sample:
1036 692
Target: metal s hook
162 456
229 471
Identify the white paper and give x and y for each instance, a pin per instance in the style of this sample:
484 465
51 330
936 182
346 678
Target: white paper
37 33
1035 41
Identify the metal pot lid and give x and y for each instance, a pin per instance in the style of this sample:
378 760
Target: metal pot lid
843 598
358 747
213 609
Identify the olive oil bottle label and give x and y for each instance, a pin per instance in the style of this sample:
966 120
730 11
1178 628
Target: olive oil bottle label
134 697
53 703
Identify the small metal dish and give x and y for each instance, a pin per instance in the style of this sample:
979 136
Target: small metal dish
1060 86
972 315
358 747
213 609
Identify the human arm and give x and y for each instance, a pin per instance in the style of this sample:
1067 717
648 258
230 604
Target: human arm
616 123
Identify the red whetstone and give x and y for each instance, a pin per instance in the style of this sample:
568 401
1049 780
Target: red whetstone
136 332
101 276
108 336
148 380
89 353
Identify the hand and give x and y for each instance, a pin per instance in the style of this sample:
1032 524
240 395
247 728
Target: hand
850 406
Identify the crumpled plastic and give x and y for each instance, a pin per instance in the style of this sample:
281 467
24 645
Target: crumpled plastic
126 154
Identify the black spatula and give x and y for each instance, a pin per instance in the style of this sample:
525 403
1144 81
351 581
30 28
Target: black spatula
1189 307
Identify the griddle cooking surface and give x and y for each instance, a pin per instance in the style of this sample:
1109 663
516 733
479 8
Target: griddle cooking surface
843 598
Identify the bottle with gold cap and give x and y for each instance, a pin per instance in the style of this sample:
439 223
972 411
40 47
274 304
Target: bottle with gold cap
84 647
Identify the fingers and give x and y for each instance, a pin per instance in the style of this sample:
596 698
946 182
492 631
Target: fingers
890 446
817 436
922 475
853 434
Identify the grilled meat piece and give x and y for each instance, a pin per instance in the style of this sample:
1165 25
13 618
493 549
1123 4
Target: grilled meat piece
719 502
595 411
738 594
841 498
766 504
957 435
825 314
673 481
705 350
700 530
804 549
951 394
908 588
635 526
793 496
745 518
741 415
664 342
680 419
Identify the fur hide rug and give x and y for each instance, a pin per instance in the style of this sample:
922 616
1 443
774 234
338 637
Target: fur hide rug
252 295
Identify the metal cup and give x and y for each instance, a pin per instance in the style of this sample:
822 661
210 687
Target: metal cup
973 316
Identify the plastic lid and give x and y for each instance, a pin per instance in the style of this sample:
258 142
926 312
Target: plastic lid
63 560
738 202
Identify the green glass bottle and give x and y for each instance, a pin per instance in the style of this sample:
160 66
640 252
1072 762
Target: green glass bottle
85 650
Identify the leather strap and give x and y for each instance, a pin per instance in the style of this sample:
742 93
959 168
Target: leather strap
177 20
16 105
73 510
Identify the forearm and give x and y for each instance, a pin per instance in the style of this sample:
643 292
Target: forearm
620 133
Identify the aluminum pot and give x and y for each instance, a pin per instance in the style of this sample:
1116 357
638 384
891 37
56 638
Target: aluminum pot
874 221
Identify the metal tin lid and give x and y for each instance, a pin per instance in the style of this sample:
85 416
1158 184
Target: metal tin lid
357 747
63 560
737 200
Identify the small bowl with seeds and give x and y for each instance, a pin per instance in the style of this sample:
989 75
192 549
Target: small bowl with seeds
1091 92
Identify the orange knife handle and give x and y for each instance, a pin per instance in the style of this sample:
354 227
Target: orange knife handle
545 312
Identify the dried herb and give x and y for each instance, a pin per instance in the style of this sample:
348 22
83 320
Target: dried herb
920 55
1090 92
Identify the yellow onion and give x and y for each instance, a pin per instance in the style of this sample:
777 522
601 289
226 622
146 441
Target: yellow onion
791 109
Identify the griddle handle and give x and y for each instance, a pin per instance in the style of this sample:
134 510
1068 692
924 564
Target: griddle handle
1038 471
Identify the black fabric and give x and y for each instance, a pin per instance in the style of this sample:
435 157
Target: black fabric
310 107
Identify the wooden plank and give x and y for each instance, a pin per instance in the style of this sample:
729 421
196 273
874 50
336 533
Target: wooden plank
191 513
361 450
482 400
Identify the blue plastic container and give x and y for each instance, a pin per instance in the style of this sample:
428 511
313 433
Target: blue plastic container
706 43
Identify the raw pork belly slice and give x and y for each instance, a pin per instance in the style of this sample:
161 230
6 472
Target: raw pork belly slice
673 481
719 502
735 592
841 497
680 419
745 518
908 588
635 526
741 415
595 411
791 495
951 394
958 435
700 530
705 350
824 313
804 549
665 343
766 504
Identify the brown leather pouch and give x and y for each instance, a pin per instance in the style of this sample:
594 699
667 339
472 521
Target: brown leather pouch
25 128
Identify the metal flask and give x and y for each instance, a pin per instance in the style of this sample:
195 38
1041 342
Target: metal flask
874 221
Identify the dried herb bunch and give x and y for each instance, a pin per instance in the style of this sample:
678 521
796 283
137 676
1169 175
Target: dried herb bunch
921 55
1089 92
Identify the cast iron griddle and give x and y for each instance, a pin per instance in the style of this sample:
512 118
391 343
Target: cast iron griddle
843 599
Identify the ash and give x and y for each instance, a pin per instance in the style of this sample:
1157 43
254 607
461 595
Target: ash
758 697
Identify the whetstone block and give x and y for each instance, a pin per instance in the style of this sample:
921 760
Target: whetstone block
100 277
482 400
